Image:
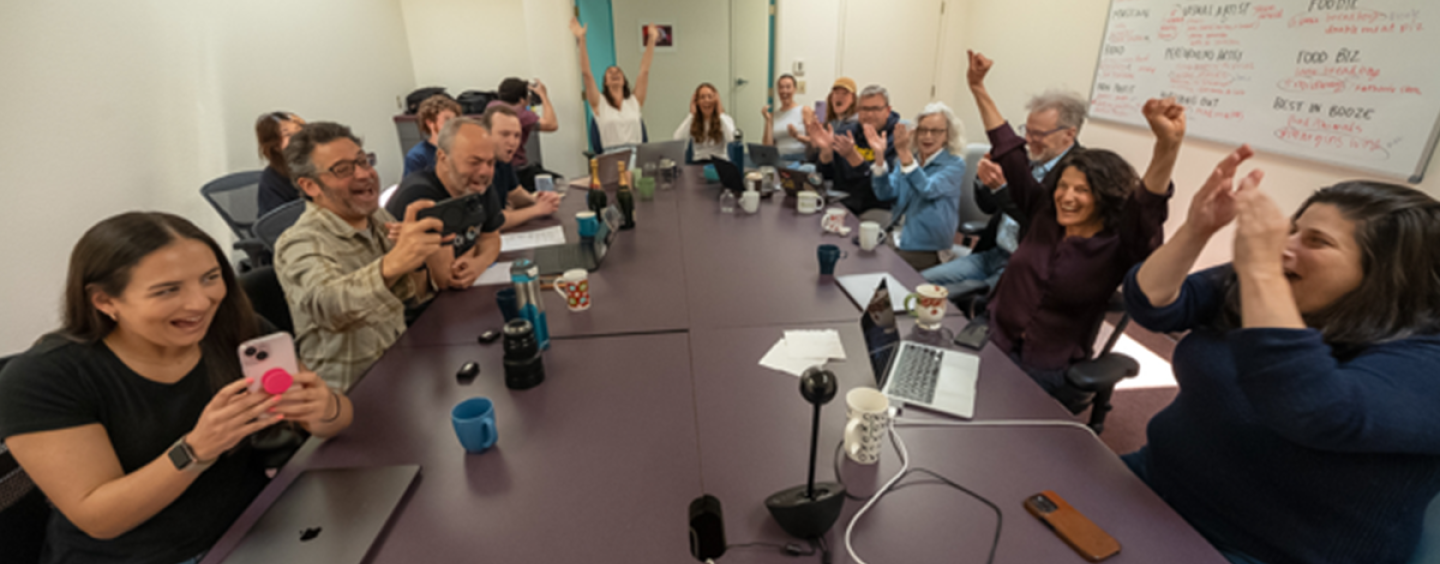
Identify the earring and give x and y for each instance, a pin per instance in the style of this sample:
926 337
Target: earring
114 317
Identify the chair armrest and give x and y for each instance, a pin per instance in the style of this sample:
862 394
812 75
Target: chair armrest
973 228
252 247
1103 372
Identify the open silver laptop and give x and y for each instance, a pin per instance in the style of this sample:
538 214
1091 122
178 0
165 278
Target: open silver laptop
327 516
937 379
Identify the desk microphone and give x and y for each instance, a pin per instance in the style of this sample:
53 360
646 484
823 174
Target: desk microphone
808 511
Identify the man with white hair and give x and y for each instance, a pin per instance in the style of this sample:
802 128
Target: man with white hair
1050 130
846 156
926 185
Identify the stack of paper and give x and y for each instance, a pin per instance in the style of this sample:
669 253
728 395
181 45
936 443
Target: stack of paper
532 239
799 350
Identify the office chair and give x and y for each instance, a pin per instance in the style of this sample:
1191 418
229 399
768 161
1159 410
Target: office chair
267 297
597 148
1098 376
972 218
24 511
269 227
235 198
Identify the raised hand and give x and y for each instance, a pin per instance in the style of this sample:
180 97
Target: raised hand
1213 206
693 107
989 173
765 111
877 141
979 67
654 35
1261 230
844 144
233 414
1167 119
539 88
902 138
576 29
822 136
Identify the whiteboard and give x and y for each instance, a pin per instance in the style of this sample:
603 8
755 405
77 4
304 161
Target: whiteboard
1354 83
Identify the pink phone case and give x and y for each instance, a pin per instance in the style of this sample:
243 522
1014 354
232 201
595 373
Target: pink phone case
270 362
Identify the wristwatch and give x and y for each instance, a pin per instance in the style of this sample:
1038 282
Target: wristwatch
184 459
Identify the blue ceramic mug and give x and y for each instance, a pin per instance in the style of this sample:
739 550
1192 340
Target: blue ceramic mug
474 421
828 255
586 223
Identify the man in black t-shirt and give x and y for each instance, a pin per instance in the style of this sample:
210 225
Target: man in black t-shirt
522 206
464 164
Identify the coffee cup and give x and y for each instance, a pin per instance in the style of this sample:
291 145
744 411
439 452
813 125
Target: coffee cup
867 413
474 421
574 287
928 304
750 201
834 220
586 224
871 235
544 183
828 255
807 202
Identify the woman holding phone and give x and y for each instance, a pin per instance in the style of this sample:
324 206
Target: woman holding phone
133 417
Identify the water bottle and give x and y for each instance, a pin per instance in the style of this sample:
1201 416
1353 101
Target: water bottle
526 276
727 201
736 149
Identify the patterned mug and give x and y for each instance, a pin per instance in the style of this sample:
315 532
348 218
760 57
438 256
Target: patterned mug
928 304
574 286
867 413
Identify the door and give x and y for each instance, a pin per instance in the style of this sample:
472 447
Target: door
749 66
893 44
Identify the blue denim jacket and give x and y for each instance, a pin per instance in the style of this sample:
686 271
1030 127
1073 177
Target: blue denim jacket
929 197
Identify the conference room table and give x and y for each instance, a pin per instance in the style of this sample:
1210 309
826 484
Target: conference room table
655 396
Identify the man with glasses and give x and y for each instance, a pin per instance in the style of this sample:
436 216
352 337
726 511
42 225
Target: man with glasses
846 156
1055 120
347 282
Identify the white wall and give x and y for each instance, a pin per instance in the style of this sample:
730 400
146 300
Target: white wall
702 54
808 31
117 106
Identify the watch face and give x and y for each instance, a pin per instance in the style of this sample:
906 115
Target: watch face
180 456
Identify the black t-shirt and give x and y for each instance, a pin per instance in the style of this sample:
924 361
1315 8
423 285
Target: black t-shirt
425 185
59 384
274 191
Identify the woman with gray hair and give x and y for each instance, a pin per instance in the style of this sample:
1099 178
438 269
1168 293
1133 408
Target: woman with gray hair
926 189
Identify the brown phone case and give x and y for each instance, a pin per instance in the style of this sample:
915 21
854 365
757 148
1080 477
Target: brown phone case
1083 535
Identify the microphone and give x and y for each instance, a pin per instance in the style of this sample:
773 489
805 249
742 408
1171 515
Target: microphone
810 510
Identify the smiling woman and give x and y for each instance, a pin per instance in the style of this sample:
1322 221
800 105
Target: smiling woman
133 418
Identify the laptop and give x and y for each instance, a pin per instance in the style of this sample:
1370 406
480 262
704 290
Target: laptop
729 174
910 373
653 152
764 155
327 516
586 254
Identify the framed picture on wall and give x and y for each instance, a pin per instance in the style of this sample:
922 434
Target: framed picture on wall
666 41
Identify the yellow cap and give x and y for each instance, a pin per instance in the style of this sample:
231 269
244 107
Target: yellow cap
846 83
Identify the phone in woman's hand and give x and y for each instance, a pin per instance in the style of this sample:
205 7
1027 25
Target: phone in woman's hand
269 362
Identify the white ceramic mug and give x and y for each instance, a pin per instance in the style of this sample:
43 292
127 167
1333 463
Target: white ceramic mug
871 235
928 304
807 202
750 201
868 417
574 288
834 220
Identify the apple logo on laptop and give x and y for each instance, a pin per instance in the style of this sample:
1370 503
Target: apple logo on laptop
309 534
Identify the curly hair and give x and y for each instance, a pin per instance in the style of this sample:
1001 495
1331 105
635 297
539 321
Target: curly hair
1111 179
706 128
431 108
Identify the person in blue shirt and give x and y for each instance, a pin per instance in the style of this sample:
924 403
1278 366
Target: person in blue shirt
432 115
1306 428
926 190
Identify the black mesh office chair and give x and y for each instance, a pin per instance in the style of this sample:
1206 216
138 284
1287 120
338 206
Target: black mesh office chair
24 511
269 227
236 198
267 297
1098 376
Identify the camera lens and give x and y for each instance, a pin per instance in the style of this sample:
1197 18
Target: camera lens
262 355
249 351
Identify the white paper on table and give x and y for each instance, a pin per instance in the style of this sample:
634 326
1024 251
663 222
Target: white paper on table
779 359
531 239
823 343
498 273
861 288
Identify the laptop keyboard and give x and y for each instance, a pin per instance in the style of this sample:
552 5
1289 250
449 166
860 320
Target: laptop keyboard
915 373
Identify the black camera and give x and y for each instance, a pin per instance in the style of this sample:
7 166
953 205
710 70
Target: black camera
523 366
258 354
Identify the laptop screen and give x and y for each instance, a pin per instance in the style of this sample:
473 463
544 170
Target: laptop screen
609 229
882 337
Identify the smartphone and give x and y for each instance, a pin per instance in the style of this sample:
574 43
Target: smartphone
457 214
269 362
1083 535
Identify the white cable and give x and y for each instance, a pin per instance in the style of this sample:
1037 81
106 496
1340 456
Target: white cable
904 466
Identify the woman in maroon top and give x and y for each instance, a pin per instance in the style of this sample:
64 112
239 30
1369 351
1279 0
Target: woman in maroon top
1091 220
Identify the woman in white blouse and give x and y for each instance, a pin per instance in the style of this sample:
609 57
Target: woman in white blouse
707 127
783 128
617 115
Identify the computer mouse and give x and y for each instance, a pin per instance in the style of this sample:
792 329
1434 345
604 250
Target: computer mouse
468 371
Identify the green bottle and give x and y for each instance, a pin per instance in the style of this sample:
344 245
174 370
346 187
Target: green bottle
596 199
626 198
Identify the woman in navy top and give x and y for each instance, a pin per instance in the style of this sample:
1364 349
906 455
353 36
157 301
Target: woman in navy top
1306 427
272 132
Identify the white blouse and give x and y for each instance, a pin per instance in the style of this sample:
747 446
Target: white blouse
619 127
708 149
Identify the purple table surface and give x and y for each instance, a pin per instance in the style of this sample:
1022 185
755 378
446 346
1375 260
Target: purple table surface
598 463
761 269
755 432
640 288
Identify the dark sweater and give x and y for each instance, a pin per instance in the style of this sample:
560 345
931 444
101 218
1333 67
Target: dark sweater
855 181
1276 449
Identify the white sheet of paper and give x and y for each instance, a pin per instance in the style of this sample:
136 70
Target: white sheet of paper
531 239
497 274
779 359
861 287
824 343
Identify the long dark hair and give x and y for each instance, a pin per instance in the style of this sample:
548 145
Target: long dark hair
624 90
102 261
1397 229
706 128
1111 180
268 135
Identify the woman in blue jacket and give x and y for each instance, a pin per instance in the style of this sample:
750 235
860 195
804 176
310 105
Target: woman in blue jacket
1306 427
925 184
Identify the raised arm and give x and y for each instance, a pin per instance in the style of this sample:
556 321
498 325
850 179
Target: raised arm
1167 121
769 138
642 81
592 93
975 76
549 121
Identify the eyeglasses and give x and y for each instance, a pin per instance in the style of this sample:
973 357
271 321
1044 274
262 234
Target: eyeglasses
1026 133
346 169
873 109
924 131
